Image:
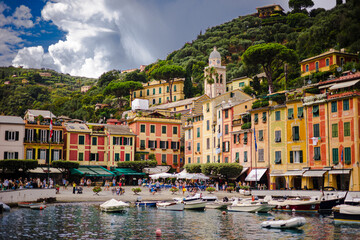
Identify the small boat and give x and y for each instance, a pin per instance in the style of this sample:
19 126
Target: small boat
298 204
250 206
330 199
24 204
170 206
195 205
5 208
113 206
217 205
146 204
209 199
37 206
347 213
290 223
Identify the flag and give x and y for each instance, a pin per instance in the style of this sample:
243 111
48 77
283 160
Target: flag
342 156
51 128
255 140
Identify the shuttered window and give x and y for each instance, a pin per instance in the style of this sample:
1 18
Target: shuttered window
278 157
334 130
317 155
346 129
278 136
335 155
300 112
316 130
347 155
295 133
290 113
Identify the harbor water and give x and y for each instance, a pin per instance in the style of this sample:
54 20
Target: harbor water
86 221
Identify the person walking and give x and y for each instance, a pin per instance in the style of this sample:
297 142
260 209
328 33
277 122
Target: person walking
74 187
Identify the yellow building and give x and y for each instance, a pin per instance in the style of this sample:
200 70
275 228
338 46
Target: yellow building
325 61
158 92
238 83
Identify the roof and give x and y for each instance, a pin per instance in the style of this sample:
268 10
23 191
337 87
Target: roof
119 129
11 120
269 6
175 104
214 54
344 84
237 79
342 78
77 127
126 171
44 113
92 171
331 51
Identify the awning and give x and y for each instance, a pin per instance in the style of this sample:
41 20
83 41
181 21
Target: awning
126 171
44 170
244 170
294 173
276 173
314 173
340 171
255 175
344 85
92 171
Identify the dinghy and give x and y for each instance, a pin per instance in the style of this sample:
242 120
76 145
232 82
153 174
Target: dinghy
290 223
113 206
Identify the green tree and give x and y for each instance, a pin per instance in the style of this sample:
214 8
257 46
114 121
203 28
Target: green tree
107 77
271 57
135 76
193 168
122 89
168 73
298 5
211 73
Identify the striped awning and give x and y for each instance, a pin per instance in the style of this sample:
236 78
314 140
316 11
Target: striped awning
314 173
340 171
294 173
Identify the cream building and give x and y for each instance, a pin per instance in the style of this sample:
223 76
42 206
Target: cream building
238 83
12 132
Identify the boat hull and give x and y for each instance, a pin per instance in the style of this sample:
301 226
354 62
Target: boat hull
24 204
297 206
170 206
347 213
194 205
327 205
38 206
217 205
261 208
145 204
291 223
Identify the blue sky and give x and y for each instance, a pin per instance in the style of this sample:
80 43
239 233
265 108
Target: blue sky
89 37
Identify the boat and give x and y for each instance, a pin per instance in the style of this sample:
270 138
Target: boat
347 213
250 206
330 199
5 208
37 206
195 205
290 223
24 204
209 199
170 206
217 205
113 206
146 204
298 204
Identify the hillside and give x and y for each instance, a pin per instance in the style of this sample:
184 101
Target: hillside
306 33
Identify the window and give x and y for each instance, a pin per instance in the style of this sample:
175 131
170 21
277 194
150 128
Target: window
226 146
174 88
335 155
317 66
142 128
346 129
198 160
127 157
175 159
306 68
159 100
245 138
207 107
12 135
159 90
208 125
226 129
134 94
261 135
94 156
81 140
296 156
342 62
164 144
116 141
55 155
152 144
208 158
219 113
198 147
278 157
142 144
290 113
277 116
278 136
261 155
11 155
29 154
152 128
245 156
295 133
140 93
327 62
315 110
174 98
226 113
94 141
29 135
43 136
300 112
346 104
256 120
334 129
81 156
189 159
163 158
316 130
198 132
42 154
154 101
148 92
163 129
175 130
226 159
175 145
241 84
317 155
264 117
189 146
154 91
189 133
237 155
333 106
347 155
208 143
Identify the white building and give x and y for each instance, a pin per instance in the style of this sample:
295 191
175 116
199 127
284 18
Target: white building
12 133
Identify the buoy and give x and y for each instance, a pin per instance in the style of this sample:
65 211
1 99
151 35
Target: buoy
223 212
158 232
41 208
253 198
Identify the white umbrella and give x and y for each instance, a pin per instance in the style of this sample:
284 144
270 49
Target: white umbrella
199 176
161 175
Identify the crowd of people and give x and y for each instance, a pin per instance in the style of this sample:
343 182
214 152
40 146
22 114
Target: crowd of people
25 183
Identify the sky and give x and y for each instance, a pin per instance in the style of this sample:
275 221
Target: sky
90 37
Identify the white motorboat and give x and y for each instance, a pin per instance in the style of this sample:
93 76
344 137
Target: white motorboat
290 223
38 206
113 206
250 206
170 206
195 205
347 213
217 205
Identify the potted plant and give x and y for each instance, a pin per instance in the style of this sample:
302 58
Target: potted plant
210 189
230 189
174 190
57 188
97 189
136 190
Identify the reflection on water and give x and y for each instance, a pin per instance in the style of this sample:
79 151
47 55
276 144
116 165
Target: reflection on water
85 221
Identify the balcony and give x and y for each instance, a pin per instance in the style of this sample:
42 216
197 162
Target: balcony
344 94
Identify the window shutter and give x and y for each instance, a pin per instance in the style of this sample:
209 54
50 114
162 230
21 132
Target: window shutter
38 156
149 144
16 155
114 141
167 144
97 157
301 156
5 155
26 133
33 154
17 136
155 144
6 135
61 136
131 141
47 155
52 155
291 157
60 156
48 135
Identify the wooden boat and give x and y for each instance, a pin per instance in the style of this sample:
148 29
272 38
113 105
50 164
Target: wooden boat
113 206
330 199
347 213
298 205
170 206
38 206
24 204
250 206
290 223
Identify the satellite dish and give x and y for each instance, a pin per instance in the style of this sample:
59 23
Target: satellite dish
353 70
339 69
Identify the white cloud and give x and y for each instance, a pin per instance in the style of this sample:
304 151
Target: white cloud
8 40
33 55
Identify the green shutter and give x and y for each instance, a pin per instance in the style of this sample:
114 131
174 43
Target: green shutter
291 157
300 112
290 113
301 156
334 128
316 130
347 155
335 153
346 129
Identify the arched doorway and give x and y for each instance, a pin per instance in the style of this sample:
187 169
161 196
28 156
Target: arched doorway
296 182
280 183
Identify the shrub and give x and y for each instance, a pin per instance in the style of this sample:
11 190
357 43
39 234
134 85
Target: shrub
246 125
210 189
230 189
260 103
174 190
64 164
136 190
97 189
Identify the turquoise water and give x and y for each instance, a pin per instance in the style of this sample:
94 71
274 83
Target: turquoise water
86 221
